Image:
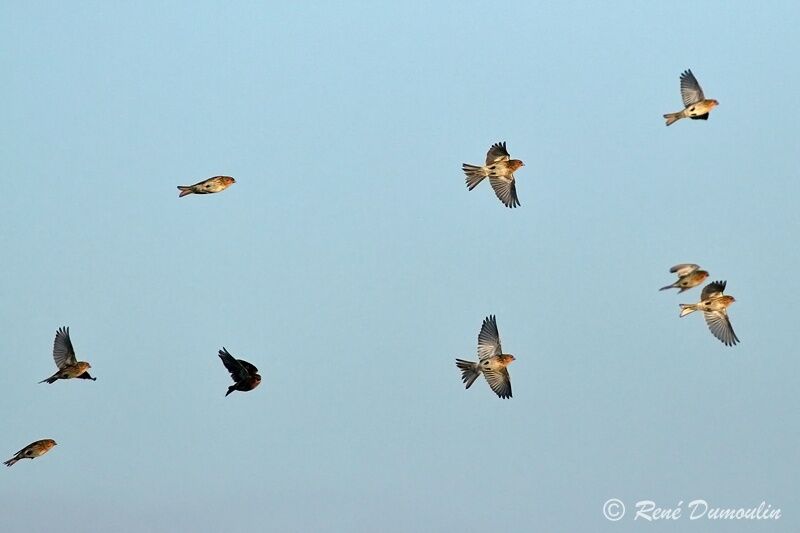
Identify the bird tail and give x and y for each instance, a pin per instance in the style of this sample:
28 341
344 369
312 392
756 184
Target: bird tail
673 117
687 309
666 287
184 190
230 390
12 461
474 174
52 379
469 371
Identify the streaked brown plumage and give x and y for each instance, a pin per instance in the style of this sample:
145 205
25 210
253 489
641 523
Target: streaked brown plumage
689 275
499 169
209 186
32 450
64 356
696 106
244 374
714 306
492 362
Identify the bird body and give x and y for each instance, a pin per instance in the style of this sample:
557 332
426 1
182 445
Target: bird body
689 275
244 374
32 450
492 362
64 356
696 105
209 186
714 306
499 168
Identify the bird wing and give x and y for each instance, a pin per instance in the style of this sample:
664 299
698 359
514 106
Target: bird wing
505 189
496 153
23 449
720 326
499 381
63 352
713 289
251 368
690 89
684 269
234 366
489 339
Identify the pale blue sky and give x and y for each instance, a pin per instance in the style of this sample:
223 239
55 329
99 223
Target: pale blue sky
351 265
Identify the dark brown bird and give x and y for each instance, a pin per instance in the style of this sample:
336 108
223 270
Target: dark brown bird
32 450
244 374
64 356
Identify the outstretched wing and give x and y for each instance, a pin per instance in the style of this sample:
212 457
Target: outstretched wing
63 352
497 152
720 326
505 189
690 89
684 269
238 371
489 339
499 381
712 290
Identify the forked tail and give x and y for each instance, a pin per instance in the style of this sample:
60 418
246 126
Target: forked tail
184 190
673 117
687 309
474 174
469 371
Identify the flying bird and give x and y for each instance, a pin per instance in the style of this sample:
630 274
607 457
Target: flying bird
689 275
492 362
499 169
714 306
64 356
209 186
245 375
34 449
696 106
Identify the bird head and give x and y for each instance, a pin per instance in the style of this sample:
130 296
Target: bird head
727 300
514 164
228 180
712 103
701 274
50 443
507 359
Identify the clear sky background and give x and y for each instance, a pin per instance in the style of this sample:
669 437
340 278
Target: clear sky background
350 264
